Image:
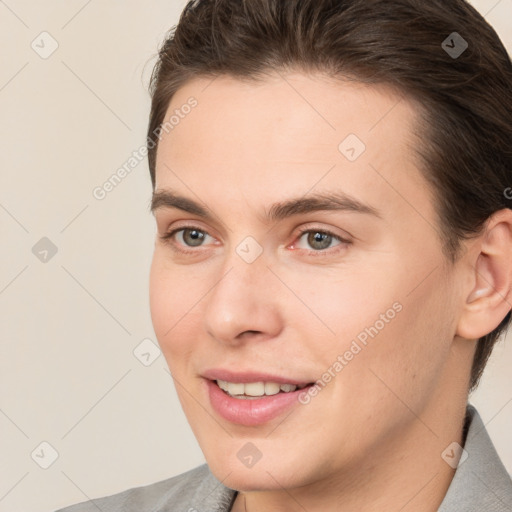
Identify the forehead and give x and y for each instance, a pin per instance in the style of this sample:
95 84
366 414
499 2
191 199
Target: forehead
329 105
292 133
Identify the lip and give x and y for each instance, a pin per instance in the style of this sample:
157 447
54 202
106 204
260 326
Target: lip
250 412
251 376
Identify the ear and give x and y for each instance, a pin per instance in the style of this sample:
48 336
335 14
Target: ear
490 298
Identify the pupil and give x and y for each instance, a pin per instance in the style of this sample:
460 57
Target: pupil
318 238
196 236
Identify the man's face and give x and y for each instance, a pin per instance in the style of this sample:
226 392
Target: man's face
363 295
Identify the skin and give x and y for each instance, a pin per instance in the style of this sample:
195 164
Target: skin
372 438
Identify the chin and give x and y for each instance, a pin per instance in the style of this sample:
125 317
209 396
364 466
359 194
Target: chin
263 475
249 481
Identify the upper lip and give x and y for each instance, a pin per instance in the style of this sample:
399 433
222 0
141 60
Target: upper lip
251 376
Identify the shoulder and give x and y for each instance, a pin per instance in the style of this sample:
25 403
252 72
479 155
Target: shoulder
481 481
193 491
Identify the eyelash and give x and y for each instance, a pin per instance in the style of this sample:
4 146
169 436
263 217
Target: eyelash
167 238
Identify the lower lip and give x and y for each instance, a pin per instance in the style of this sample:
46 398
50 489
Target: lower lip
250 412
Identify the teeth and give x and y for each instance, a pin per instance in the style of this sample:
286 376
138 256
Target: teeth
252 388
271 388
255 389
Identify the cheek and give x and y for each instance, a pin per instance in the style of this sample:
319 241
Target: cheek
356 306
173 296
389 334
406 358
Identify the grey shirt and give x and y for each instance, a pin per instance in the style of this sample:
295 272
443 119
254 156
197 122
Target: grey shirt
480 484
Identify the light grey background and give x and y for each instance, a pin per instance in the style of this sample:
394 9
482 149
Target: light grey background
69 326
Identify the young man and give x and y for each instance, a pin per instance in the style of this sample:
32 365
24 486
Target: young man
333 263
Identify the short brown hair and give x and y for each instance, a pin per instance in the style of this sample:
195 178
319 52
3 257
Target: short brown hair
466 99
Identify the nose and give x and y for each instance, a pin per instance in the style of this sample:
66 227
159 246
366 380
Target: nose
244 303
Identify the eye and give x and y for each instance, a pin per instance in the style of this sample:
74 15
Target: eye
320 240
188 236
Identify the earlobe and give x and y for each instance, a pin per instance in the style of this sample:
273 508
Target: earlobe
490 298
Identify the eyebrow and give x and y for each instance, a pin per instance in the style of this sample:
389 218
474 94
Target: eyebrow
330 201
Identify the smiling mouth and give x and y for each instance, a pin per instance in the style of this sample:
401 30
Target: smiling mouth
255 390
